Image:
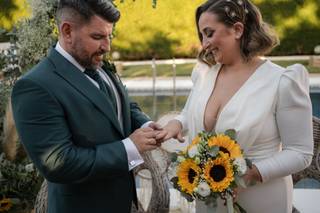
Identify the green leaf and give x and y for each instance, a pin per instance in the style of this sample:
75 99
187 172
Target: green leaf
231 133
174 157
213 151
174 181
241 210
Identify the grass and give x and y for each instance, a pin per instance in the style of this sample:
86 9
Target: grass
186 69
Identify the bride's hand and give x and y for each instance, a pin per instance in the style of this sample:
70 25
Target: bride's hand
174 130
252 176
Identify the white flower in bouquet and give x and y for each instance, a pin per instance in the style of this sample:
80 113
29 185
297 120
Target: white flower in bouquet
193 151
29 167
180 159
203 189
241 165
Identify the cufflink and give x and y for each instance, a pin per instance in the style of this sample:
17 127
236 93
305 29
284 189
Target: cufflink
132 163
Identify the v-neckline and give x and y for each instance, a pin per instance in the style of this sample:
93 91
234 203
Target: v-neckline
232 97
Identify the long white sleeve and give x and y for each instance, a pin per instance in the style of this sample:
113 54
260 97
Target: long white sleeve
294 121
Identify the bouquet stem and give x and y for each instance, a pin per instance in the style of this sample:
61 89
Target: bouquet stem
230 203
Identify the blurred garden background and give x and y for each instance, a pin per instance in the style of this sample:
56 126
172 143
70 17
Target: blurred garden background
148 29
168 30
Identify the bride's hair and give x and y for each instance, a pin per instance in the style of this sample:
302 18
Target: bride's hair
258 37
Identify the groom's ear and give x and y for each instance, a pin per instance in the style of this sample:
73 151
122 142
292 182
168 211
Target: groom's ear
67 30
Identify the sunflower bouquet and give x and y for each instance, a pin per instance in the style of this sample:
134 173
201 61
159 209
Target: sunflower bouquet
212 166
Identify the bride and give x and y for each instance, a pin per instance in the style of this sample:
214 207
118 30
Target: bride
267 105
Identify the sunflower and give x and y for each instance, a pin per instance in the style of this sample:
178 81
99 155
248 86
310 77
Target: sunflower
188 175
226 145
219 173
5 205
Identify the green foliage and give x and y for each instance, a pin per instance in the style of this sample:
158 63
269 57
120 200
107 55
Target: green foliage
166 28
36 34
169 30
9 72
11 11
4 95
296 22
20 181
164 32
17 183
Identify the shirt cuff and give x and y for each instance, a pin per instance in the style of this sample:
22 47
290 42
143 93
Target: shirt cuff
146 124
134 157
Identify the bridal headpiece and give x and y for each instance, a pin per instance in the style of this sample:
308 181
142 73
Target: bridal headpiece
236 10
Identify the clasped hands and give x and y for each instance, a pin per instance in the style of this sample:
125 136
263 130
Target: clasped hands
151 137
148 138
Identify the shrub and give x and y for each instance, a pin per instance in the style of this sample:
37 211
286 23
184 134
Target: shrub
169 30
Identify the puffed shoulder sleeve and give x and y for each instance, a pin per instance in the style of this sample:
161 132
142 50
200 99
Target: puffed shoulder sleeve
182 117
294 120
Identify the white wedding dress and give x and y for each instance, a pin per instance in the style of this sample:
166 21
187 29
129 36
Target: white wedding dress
272 116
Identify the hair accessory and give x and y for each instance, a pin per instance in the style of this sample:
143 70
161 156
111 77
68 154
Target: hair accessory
232 13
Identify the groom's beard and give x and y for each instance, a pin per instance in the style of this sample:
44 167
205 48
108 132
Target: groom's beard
85 59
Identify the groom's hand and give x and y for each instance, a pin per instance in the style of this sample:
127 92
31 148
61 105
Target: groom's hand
144 139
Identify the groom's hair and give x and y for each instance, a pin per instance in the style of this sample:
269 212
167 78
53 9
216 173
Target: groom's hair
81 11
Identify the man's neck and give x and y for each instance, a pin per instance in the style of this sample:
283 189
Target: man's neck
65 53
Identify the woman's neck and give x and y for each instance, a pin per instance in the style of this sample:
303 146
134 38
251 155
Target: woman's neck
241 64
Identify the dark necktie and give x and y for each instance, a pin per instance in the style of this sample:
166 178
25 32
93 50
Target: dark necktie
104 87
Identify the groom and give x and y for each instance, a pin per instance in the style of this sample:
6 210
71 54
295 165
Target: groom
75 119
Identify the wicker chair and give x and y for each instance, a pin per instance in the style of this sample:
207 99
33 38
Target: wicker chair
313 171
160 196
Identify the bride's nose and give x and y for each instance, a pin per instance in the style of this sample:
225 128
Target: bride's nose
205 44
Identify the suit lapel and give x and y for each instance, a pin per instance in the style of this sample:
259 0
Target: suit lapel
79 81
124 100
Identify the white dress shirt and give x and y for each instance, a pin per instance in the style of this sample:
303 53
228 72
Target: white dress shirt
134 157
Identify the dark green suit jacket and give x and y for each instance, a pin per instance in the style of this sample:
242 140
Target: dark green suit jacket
72 134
